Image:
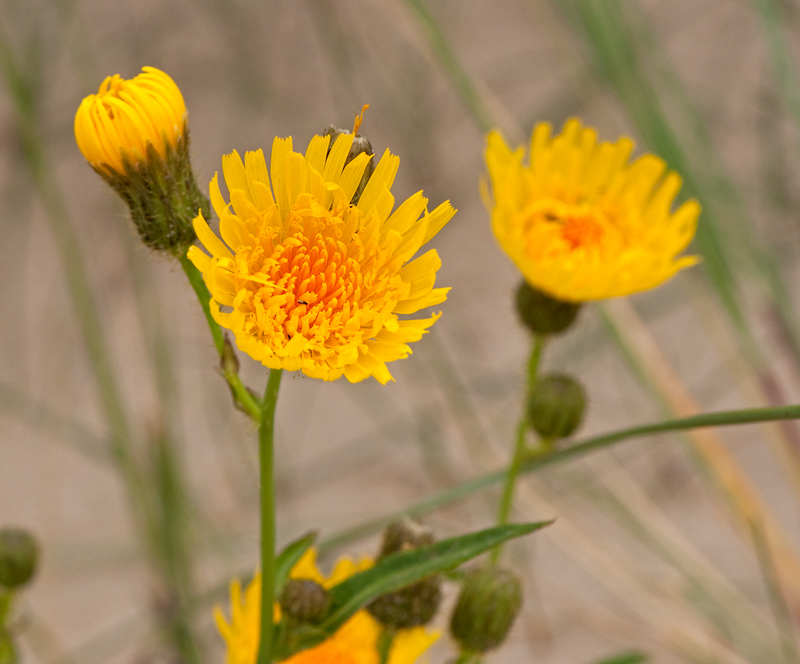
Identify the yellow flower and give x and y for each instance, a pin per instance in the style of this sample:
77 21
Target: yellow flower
124 117
354 643
311 281
581 222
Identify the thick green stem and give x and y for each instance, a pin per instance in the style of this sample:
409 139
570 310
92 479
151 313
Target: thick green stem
266 438
504 509
241 395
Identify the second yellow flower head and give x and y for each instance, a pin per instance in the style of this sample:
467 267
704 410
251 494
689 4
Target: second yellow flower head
581 222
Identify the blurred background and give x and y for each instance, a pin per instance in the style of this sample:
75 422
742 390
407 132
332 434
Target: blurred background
684 548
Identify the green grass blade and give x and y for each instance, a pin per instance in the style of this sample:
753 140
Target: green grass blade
466 489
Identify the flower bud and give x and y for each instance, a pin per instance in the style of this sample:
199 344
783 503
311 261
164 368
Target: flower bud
134 134
415 604
543 314
360 145
304 601
555 406
18 556
487 607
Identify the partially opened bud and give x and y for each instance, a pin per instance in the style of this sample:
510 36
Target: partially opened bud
135 134
486 609
19 554
360 145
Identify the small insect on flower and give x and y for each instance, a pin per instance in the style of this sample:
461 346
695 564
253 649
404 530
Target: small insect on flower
312 280
580 221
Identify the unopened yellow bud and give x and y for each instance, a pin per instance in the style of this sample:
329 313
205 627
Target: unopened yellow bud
134 134
125 116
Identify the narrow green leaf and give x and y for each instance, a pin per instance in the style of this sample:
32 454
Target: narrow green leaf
626 658
287 558
401 569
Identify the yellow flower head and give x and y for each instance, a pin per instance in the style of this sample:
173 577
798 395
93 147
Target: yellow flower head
309 280
356 642
581 222
118 123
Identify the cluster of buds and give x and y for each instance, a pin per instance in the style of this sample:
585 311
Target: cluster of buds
134 134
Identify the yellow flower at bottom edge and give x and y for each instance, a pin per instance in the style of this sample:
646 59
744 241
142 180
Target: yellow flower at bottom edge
581 222
310 280
354 643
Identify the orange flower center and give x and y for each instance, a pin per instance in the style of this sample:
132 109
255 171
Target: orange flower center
317 280
582 231
553 228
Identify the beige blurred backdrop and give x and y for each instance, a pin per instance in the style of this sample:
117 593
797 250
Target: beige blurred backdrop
250 71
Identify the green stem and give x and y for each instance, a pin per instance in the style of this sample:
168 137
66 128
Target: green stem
266 438
461 491
504 509
6 596
242 397
533 362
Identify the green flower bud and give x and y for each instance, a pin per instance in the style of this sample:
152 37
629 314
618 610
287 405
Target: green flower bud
305 601
543 314
487 607
415 604
18 556
555 406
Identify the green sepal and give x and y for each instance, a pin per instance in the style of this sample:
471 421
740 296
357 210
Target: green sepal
287 558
